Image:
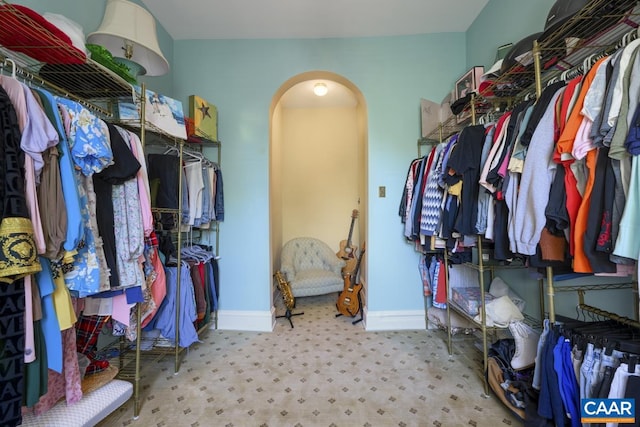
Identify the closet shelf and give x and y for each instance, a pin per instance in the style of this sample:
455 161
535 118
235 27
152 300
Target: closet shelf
89 80
79 76
596 287
599 28
154 136
462 312
492 267
165 210
442 132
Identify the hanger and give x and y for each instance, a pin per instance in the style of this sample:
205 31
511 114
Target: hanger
193 155
13 66
586 64
189 239
172 150
196 253
626 346
631 361
629 37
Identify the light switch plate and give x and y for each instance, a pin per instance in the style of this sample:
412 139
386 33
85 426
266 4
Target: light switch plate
382 191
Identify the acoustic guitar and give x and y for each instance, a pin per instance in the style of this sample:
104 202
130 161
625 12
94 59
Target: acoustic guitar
347 249
349 303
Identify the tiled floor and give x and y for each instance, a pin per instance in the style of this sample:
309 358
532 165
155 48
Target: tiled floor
323 372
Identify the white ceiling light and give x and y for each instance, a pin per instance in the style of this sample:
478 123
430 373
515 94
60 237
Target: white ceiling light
320 89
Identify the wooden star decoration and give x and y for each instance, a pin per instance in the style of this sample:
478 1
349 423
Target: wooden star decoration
204 109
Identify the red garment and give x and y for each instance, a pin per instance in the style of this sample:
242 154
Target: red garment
566 100
158 287
565 143
36 37
198 290
441 291
564 147
425 173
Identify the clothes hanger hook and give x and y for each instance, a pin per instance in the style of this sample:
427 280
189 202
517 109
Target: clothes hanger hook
13 66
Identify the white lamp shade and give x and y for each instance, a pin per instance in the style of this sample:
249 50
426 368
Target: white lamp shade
128 23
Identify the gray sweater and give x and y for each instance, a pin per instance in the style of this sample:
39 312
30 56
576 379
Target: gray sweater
535 183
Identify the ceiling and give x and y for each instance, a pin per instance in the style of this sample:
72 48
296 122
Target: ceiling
285 19
301 96
267 19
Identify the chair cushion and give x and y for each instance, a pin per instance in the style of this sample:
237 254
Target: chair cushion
316 282
309 256
311 267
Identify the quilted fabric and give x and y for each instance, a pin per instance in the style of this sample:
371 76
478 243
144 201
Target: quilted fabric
316 282
311 267
93 407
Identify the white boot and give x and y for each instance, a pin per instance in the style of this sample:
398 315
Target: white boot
526 339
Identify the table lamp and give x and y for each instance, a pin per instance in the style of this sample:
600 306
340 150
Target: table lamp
128 31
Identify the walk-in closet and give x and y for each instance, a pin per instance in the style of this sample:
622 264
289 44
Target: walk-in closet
110 227
484 153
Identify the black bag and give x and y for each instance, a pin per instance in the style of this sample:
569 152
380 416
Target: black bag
508 384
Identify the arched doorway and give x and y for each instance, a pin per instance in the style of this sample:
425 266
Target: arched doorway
318 163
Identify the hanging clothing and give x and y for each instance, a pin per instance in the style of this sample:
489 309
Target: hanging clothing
18 248
535 183
12 366
432 198
465 162
164 173
219 196
74 224
124 167
165 319
91 152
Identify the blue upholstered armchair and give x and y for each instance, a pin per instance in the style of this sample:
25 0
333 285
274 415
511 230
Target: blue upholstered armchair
311 267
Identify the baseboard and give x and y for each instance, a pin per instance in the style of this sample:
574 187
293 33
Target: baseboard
264 321
394 320
243 320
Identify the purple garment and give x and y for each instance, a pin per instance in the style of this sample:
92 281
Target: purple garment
39 135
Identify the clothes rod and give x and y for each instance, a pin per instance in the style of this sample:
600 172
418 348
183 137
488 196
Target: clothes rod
620 319
15 70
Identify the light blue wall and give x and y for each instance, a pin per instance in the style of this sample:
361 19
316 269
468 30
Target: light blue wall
241 78
393 73
501 22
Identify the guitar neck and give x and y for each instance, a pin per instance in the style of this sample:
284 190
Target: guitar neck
354 215
356 269
353 220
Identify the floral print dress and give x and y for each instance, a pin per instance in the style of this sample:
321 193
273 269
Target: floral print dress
91 153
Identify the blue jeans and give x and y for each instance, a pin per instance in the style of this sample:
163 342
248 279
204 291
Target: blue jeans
589 371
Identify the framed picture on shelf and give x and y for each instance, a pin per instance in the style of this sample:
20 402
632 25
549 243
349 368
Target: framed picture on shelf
465 85
205 118
163 112
430 116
